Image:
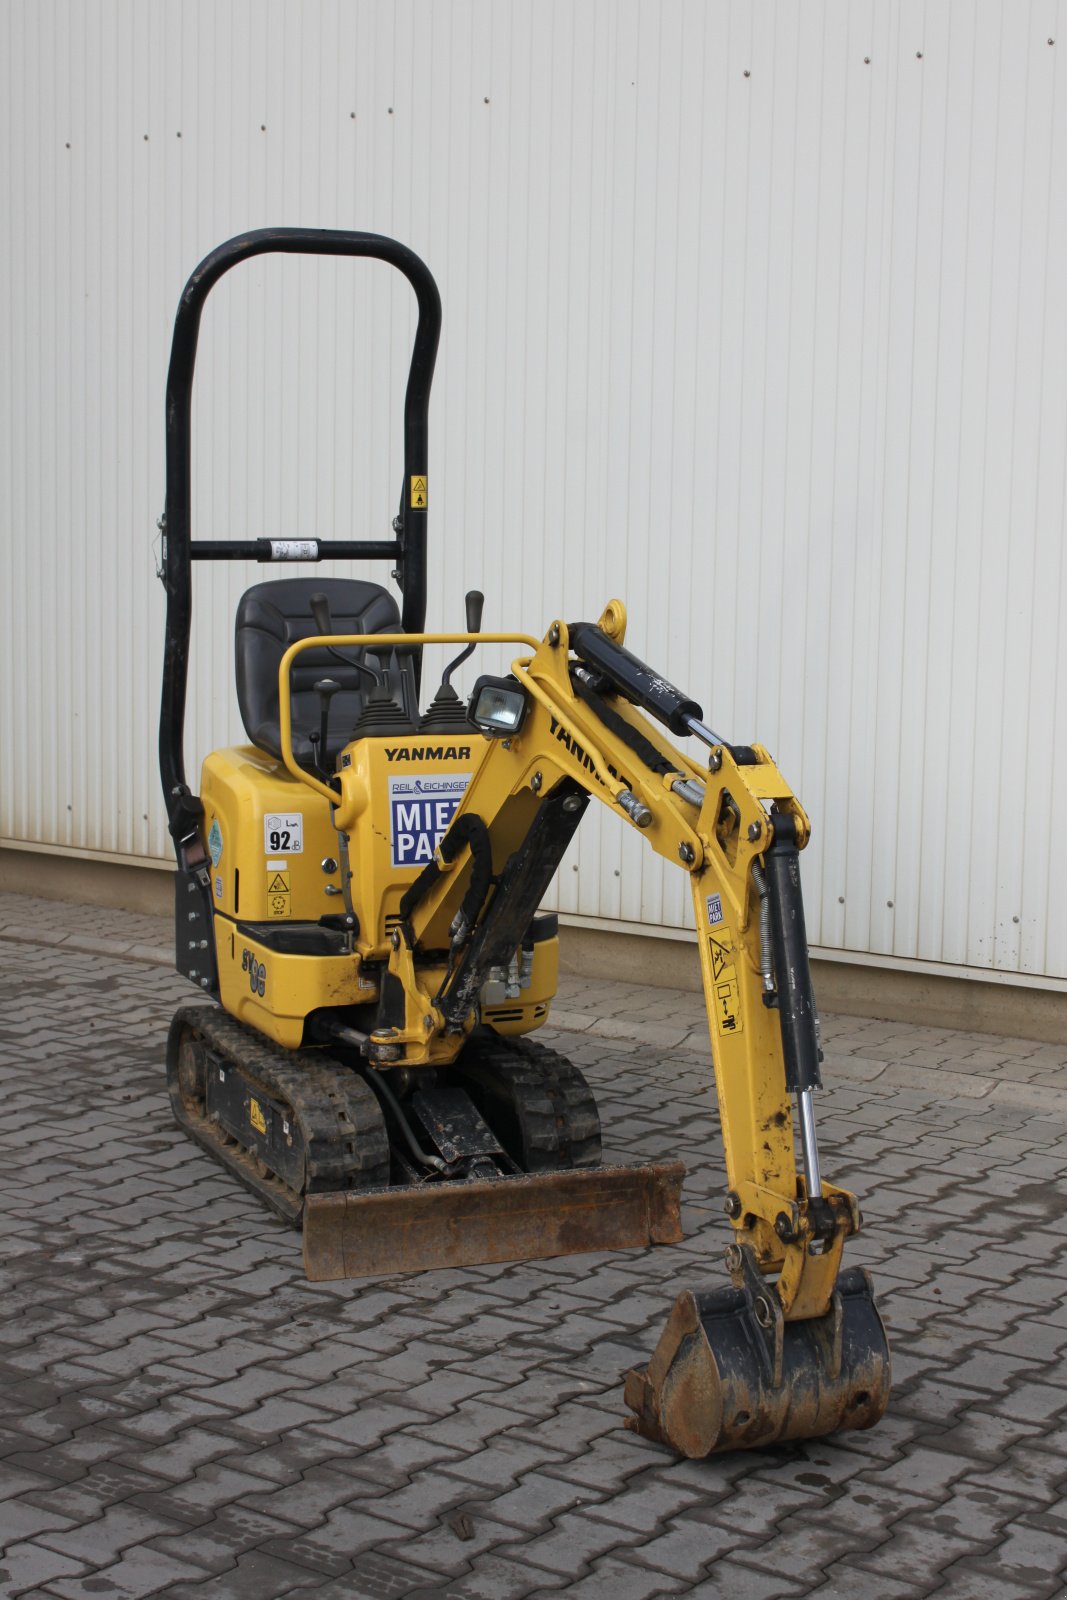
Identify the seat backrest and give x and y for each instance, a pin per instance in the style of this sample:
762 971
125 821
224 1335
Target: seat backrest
272 616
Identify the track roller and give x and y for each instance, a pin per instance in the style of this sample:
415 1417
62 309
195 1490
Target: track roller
287 1125
307 1135
536 1101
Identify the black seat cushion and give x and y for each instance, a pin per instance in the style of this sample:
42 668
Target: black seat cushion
271 617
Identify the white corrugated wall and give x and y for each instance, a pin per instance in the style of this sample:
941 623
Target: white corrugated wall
753 316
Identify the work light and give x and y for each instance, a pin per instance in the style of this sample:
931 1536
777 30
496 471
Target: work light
497 706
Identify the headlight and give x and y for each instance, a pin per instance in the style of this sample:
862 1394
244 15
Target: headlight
498 706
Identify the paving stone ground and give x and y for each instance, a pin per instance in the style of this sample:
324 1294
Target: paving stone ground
183 1415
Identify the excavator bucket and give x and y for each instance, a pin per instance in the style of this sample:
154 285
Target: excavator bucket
505 1219
729 1373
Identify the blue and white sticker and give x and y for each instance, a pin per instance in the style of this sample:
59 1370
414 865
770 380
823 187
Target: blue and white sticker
420 809
214 843
715 915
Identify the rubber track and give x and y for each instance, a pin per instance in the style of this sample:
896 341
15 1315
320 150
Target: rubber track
561 1124
345 1142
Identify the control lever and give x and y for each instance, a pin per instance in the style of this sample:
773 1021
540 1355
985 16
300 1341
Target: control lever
474 600
326 688
320 610
447 714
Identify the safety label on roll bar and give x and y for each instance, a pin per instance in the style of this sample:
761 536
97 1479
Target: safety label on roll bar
294 549
418 492
420 809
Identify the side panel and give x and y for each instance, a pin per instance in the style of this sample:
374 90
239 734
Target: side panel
267 835
274 993
522 1013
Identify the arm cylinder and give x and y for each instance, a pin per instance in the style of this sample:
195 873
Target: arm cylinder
789 940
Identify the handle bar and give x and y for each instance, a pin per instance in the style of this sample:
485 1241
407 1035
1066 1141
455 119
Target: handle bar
409 550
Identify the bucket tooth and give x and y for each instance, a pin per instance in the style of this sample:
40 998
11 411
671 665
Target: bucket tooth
726 1376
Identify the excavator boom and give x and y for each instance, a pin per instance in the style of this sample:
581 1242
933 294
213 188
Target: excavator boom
794 1347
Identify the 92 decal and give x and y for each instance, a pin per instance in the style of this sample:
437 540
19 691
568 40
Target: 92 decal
283 833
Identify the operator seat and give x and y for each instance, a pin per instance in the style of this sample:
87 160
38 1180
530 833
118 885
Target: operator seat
272 616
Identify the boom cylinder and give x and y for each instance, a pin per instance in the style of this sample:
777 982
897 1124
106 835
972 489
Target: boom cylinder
638 682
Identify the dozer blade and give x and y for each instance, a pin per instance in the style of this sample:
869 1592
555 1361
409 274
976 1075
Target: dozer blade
719 1380
504 1219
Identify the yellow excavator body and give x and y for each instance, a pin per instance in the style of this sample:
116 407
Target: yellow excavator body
360 894
279 865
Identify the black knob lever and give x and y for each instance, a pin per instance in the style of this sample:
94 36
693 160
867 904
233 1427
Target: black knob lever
474 602
326 688
320 610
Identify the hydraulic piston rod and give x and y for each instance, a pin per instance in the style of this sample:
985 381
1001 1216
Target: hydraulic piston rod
809 1145
700 730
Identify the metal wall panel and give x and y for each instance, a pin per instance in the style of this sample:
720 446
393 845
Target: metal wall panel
751 318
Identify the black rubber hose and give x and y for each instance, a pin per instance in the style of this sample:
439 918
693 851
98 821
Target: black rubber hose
469 830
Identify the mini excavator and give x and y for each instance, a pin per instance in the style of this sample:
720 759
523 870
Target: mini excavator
358 898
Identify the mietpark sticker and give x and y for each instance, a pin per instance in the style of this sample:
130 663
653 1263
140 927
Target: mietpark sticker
420 810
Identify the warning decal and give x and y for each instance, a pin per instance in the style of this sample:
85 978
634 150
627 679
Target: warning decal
255 1115
420 810
279 896
418 492
727 990
721 956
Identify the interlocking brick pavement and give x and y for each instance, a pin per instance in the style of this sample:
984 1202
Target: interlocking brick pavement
184 1415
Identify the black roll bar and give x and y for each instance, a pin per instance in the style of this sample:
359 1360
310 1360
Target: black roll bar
180 549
